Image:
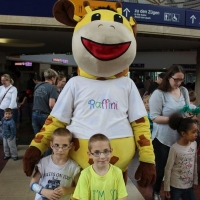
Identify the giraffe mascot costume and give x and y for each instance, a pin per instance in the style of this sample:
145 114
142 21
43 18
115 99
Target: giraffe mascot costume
101 99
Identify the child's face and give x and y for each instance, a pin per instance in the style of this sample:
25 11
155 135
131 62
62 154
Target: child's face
100 153
192 133
146 104
61 146
7 115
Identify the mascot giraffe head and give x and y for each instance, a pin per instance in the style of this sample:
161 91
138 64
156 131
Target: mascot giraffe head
103 42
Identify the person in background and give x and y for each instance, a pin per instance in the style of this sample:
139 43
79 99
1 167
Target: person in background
16 78
45 96
45 182
8 97
193 86
181 168
30 90
192 106
154 85
139 84
37 79
188 85
169 98
193 97
0 81
147 83
101 176
21 100
73 74
60 82
9 135
145 100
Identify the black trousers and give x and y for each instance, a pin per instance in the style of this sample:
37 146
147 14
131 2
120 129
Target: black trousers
161 154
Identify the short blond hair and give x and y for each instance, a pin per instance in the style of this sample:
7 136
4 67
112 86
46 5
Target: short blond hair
8 78
62 132
146 98
97 137
50 73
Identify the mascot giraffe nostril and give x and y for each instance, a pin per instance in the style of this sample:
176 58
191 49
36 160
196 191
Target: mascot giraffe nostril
101 99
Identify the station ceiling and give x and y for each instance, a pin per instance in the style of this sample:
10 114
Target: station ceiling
58 40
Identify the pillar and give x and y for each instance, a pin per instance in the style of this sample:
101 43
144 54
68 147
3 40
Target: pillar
197 83
197 90
2 61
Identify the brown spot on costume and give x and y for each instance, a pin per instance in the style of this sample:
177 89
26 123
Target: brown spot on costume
143 141
76 144
49 120
141 120
113 160
38 138
42 129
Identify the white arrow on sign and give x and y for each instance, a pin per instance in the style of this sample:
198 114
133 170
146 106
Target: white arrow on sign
193 18
126 10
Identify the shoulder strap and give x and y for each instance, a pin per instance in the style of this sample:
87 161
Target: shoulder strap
5 94
38 85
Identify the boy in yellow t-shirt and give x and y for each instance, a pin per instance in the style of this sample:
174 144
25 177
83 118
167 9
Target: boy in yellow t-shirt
101 179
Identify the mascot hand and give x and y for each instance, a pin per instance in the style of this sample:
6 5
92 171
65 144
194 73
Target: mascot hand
145 174
31 157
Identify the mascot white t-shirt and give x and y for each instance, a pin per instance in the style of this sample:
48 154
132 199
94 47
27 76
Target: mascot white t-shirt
106 106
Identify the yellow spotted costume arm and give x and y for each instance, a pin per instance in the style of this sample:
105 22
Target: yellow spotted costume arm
142 134
43 138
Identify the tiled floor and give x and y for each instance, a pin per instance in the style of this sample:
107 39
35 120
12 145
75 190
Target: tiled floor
13 182
2 162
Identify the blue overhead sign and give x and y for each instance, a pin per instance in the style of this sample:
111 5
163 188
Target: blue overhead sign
38 8
154 14
145 13
193 18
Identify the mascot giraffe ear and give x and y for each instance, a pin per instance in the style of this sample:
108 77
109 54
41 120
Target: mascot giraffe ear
63 11
133 24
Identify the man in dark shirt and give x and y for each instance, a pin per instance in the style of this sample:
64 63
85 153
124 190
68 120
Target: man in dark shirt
45 96
155 84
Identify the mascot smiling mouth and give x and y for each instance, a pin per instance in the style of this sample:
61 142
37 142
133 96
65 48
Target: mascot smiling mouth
105 52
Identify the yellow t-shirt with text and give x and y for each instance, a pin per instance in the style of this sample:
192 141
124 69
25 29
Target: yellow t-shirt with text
91 186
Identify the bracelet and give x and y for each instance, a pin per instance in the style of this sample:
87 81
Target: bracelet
35 187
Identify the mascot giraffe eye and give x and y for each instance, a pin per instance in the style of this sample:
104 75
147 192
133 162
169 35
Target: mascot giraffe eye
96 16
118 18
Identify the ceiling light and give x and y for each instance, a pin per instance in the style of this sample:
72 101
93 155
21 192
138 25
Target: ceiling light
9 42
